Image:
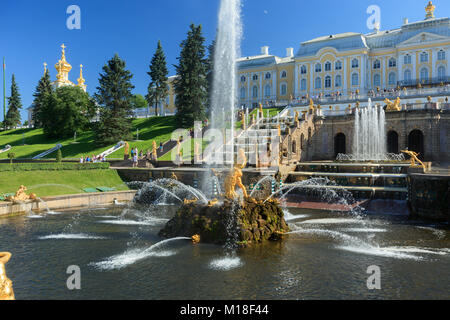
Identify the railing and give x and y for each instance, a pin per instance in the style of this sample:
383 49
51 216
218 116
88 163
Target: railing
431 81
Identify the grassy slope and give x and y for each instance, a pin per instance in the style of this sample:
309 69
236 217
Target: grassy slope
168 156
52 183
155 128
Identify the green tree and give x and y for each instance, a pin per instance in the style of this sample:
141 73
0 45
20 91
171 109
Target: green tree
209 73
11 156
12 119
65 111
191 83
139 102
158 89
115 98
59 156
43 88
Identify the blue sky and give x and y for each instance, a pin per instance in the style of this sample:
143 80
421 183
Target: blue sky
32 32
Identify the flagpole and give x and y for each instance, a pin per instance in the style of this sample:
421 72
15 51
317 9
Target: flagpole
4 91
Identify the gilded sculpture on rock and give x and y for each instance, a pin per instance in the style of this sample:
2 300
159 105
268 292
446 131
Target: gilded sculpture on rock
6 289
234 178
392 106
21 195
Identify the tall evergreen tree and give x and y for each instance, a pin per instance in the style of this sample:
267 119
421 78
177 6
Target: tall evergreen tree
158 89
43 88
210 73
14 105
191 83
115 97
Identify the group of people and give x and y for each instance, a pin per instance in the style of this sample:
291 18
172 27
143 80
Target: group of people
136 155
92 159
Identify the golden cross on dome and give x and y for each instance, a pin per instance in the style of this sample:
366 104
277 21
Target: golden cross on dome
63 46
45 67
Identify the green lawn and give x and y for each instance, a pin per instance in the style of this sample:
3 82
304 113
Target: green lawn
52 183
272 112
155 128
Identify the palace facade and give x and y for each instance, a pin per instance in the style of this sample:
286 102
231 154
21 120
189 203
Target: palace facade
342 65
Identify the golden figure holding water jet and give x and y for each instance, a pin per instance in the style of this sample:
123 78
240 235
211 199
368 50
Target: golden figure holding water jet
414 158
234 178
392 106
21 195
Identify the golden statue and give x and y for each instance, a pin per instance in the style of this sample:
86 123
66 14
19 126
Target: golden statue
234 178
21 195
126 151
414 158
392 106
311 105
195 238
154 150
279 130
297 123
6 289
429 9
189 201
174 176
212 202
261 110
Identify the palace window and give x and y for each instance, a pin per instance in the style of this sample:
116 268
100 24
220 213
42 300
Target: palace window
243 79
377 64
267 91
338 65
242 93
424 57
392 79
407 59
255 92
355 63
318 83
423 74
318 67
303 85
441 73
268 75
327 82
441 55
328 66
303 70
392 63
283 74
283 89
355 79
407 75
376 80
255 77
338 81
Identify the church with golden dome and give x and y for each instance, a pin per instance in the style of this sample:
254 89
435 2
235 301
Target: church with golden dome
63 68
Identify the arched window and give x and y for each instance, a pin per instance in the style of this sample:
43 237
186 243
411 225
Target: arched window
338 81
392 63
283 89
392 79
327 82
376 80
355 63
407 75
302 141
303 69
318 83
407 59
441 73
355 79
255 77
339 144
392 142
415 143
242 93
243 79
441 55
267 91
303 85
318 67
268 75
424 57
327 66
377 64
283 74
294 146
423 74
255 92
338 65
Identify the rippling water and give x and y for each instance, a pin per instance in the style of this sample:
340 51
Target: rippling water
325 257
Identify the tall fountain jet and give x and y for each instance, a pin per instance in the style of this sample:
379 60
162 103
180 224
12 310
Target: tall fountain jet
369 136
227 50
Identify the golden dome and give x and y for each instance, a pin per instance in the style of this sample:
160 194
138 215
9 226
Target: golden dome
62 66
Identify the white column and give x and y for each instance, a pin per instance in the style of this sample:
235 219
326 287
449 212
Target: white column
344 85
248 89
261 94
363 73
274 84
296 75
399 68
383 74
